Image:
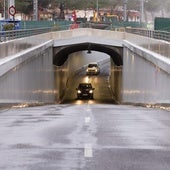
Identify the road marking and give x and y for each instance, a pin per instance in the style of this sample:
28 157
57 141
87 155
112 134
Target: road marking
88 152
87 119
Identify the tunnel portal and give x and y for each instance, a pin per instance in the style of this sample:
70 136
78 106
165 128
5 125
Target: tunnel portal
61 53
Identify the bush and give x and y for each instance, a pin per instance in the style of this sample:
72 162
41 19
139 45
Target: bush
8 27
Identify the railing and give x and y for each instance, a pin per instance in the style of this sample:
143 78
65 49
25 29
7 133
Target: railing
9 35
14 34
161 35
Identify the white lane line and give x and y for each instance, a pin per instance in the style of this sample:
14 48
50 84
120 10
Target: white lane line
87 120
88 152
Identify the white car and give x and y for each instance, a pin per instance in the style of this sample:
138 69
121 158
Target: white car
93 69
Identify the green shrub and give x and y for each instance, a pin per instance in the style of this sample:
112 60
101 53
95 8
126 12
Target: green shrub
8 27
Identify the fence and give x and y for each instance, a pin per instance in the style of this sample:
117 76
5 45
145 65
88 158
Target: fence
14 34
9 35
161 35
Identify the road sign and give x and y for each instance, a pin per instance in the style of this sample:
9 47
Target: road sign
12 10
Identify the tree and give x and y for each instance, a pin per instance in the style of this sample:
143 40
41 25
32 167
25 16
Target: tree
26 7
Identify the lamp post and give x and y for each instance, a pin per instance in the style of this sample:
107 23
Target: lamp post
35 10
9 4
125 10
97 6
4 9
97 9
142 11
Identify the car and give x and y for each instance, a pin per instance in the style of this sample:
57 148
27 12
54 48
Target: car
92 69
85 90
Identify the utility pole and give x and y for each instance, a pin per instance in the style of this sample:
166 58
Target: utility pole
125 10
8 5
4 9
142 11
97 9
97 6
35 10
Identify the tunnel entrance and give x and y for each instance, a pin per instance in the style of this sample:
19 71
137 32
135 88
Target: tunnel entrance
61 54
73 59
73 72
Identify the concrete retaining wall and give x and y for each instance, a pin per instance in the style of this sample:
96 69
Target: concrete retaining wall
142 80
139 53
29 76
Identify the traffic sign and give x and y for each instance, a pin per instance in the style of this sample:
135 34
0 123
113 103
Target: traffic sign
12 10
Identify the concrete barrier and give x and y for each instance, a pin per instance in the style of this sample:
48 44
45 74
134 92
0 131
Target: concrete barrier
15 52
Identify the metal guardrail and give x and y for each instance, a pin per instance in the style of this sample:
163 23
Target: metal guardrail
14 34
161 35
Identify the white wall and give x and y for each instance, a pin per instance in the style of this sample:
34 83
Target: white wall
143 82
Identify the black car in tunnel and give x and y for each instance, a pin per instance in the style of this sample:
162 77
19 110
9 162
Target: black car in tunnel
85 90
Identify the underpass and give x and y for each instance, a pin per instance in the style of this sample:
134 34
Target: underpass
65 133
102 92
43 64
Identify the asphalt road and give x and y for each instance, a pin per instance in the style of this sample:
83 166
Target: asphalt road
85 134
84 137
102 92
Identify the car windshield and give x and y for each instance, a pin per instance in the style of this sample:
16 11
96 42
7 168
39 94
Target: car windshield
85 86
92 65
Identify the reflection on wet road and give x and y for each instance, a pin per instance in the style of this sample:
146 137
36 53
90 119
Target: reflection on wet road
84 136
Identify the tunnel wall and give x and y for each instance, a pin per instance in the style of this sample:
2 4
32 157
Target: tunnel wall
12 47
144 81
107 34
79 60
116 81
76 63
15 53
32 80
158 46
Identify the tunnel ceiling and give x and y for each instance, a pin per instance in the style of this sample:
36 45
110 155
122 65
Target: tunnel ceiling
61 55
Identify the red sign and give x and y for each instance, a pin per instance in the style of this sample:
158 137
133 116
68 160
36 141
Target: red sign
12 10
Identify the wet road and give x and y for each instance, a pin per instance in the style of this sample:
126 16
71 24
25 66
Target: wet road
84 136
102 92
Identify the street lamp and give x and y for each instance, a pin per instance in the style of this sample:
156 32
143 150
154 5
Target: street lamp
4 9
125 10
142 11
97 6
97 9
35 10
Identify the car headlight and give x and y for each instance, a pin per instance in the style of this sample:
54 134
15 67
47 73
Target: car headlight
78 91
91 91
